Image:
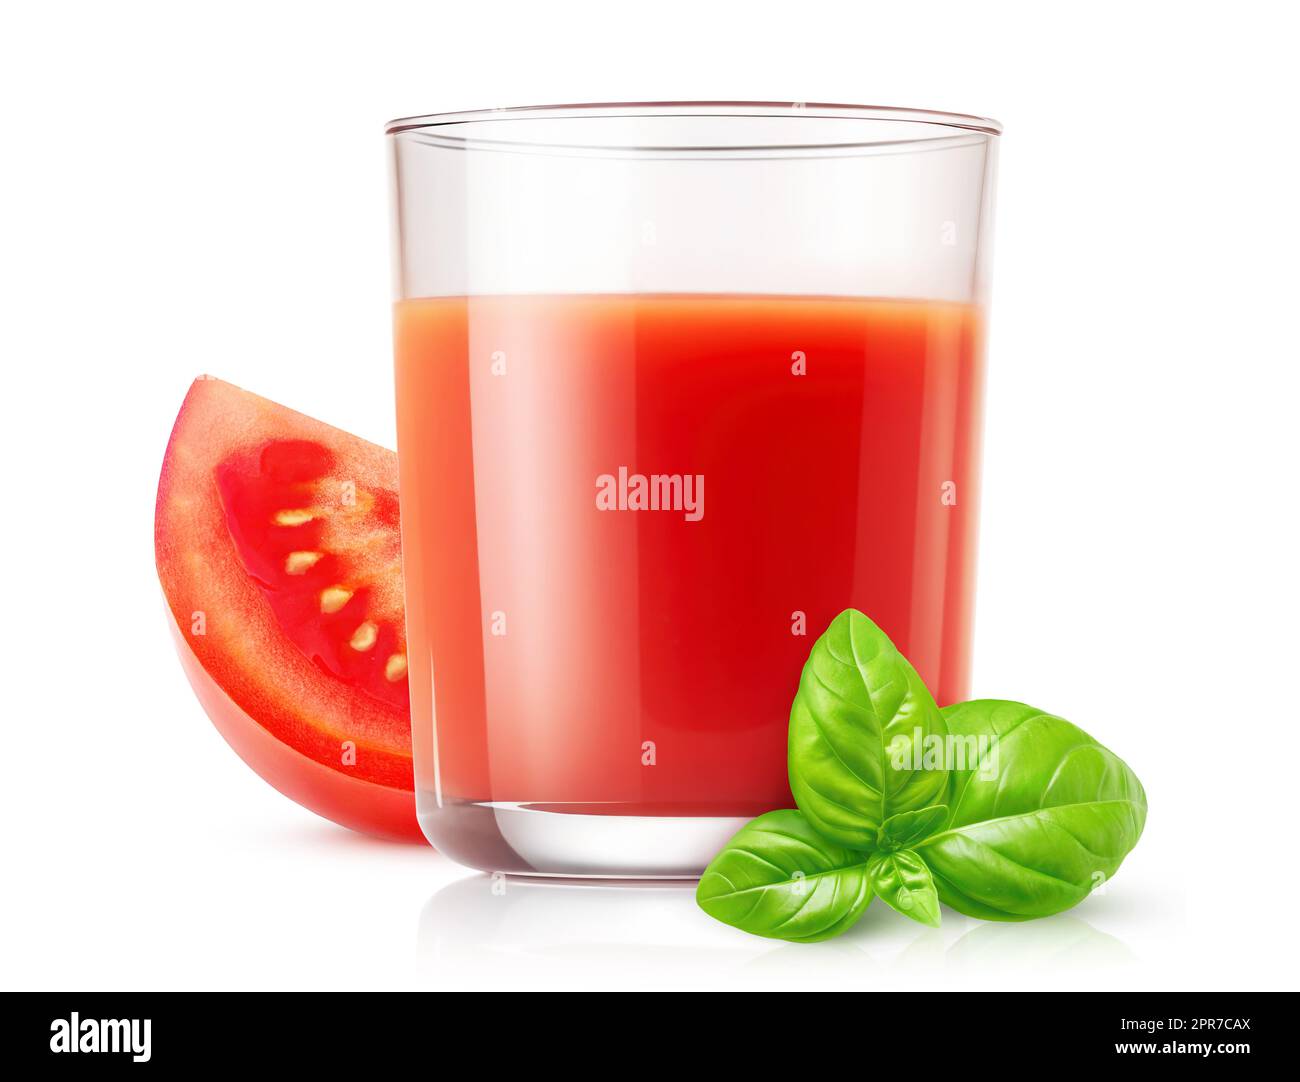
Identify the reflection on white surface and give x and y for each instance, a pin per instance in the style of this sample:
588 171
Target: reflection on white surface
486 932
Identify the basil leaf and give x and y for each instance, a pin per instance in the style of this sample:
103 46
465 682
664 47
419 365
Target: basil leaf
861 728
907 828
778 878
1041 814
904 882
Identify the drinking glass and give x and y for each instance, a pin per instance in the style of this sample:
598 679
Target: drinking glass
676 384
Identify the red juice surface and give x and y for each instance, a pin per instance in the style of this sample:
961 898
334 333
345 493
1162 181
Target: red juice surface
580 637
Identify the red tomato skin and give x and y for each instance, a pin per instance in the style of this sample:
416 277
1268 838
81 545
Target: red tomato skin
378 810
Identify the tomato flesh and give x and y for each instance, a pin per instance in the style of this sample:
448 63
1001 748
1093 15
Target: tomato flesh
298 475
278 549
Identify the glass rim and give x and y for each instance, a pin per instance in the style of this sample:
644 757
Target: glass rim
946 124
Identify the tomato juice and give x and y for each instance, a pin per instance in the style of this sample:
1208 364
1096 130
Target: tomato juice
626 518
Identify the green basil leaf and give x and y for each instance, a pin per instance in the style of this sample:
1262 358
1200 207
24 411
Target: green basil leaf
779 878
1041 814
904 882
861 730
907 828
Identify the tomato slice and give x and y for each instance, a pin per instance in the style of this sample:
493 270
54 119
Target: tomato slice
278 548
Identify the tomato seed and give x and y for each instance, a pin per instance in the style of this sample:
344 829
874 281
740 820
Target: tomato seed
364 637
333 598
298 563
293 518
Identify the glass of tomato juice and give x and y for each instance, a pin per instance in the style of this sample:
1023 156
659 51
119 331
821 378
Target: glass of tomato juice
676 384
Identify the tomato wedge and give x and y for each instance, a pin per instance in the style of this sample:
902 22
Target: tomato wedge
278 549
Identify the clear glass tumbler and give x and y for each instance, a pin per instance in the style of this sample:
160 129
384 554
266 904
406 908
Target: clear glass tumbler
676 384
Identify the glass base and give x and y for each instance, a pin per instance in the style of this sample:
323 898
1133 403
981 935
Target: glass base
522 839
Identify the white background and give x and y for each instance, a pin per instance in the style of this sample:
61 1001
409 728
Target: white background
199 187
